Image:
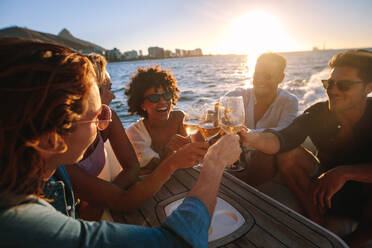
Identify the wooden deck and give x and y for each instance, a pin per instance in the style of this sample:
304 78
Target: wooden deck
267 222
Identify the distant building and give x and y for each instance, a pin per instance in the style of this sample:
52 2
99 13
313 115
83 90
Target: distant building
156 52
130 54
140 53
167 53
187 53
196 52
113 55
93 50
180 52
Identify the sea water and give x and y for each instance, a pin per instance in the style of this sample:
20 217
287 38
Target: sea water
205 79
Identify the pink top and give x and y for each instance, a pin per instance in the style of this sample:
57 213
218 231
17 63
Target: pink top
94 163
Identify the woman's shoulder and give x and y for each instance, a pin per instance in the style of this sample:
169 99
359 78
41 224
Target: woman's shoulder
136 125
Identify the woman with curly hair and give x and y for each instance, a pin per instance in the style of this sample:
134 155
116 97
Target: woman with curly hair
51 110
152 94
120 168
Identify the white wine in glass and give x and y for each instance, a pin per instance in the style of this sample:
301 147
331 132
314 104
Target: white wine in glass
231 114
209 126
192 119
230 129
208 130
191 126
231 117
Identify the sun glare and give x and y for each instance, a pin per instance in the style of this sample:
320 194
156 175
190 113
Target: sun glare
254 33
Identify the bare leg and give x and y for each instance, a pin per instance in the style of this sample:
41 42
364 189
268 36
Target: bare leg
260 169
295 167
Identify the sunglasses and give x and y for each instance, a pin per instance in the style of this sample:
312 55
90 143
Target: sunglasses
102 119
342 85
154 98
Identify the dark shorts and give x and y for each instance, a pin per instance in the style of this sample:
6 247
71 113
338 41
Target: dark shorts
350 200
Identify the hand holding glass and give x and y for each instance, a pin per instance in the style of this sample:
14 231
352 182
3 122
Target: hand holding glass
191 120
231 114
208 126
231 117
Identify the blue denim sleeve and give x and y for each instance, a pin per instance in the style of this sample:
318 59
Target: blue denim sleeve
39 225
191 220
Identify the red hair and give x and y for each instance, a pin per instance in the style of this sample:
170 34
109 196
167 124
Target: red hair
43 89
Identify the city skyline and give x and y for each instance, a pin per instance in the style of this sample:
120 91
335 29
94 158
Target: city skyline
217 27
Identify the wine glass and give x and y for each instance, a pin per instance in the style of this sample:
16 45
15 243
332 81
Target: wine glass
208 125
231 118
231 114
192 119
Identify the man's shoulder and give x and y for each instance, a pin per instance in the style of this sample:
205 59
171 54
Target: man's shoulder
369 101
287 95
319 107
369 108
240 91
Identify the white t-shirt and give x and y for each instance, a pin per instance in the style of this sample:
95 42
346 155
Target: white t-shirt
141 141
279 115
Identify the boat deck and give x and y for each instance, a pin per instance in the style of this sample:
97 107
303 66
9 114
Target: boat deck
267 222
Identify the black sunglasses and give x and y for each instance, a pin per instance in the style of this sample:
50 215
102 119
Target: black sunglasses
342 85
156 97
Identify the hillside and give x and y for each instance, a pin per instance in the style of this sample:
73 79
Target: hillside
63 38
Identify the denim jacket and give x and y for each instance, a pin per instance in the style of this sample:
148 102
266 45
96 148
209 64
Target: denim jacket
36 223
59 189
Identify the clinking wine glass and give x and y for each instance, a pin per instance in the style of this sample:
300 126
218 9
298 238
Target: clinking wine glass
208 125
192 119
231 118
191 125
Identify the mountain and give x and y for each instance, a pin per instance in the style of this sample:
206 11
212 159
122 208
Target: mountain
63 38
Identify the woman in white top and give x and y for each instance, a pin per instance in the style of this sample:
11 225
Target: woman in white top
152 94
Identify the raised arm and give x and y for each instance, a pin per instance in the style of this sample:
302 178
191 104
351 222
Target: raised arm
266 142
186 227
105 194
124 153
223 153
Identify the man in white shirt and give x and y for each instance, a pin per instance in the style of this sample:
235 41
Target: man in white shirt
266 106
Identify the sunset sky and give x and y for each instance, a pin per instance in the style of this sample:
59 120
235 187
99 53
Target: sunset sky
216 26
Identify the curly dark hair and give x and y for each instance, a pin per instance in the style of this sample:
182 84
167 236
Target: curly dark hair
43 89
145 79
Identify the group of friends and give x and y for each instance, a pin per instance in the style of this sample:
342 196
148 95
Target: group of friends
57 184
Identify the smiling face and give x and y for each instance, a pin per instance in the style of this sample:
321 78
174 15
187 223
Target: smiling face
157 111
354 98
266 78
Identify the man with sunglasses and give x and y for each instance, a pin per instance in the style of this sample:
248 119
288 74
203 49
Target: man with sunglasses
266 106
341 129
